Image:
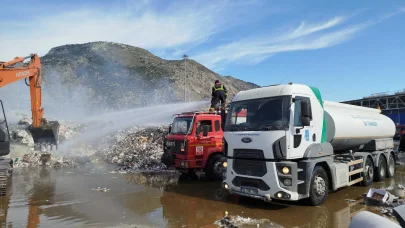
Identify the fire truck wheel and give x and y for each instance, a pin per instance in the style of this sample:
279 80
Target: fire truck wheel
213 168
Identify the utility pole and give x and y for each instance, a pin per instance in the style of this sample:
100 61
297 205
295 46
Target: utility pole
185 74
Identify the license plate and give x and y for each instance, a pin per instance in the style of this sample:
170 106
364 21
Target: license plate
250 191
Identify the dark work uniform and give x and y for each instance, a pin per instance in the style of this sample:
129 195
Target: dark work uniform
219 93
401 146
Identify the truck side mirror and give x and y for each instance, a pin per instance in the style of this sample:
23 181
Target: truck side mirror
205 130
170 128
305 121
305 113
305 109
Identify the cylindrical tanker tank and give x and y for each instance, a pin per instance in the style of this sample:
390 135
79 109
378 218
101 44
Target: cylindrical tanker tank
351 126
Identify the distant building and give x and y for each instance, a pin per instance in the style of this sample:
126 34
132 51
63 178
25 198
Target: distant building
391 105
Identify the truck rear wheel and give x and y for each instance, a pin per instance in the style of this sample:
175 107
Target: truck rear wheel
391 166
318 190
213 168
381 168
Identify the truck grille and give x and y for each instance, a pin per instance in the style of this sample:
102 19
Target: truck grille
250 182
174 146
249 162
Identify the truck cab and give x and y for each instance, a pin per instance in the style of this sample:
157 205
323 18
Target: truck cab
193 144
293 145
400 130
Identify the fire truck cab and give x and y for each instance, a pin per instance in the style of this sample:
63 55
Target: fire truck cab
193 144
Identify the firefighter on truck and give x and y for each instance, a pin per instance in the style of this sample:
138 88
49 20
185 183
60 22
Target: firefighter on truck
219 94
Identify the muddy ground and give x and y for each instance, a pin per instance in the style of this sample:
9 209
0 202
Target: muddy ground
97 196
93 193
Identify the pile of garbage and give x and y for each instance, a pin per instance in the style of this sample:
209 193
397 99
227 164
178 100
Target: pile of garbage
38 158
153 179
237 221
25 154
132 149
136 148
20 135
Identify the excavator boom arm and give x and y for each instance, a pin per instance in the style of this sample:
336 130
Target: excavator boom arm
10 73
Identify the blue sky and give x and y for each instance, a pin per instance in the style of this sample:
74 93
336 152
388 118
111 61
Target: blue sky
348 49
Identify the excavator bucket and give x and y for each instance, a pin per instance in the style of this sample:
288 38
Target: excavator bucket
47 135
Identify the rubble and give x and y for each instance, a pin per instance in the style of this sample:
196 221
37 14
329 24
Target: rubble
238 221
136 149
385 200
397 190
153 179
100 189
132 150
23 137
37 158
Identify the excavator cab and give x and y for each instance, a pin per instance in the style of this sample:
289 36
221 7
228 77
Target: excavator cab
46 135
4 133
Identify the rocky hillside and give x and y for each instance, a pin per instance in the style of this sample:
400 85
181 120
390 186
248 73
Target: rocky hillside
122 76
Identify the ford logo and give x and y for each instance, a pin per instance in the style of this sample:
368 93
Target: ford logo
246 140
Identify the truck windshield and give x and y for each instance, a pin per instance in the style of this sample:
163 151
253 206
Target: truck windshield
181 125
265 114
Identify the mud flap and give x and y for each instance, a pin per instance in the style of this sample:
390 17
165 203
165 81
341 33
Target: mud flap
47 134
167 159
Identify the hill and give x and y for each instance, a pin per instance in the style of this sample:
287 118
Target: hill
105 74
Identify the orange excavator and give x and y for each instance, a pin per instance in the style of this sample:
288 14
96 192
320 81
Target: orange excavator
44 132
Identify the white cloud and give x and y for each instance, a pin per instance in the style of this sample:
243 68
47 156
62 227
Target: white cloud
304 37
143 27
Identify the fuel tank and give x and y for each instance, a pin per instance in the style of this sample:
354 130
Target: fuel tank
350 126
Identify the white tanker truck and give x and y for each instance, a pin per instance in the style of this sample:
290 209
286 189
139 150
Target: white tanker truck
293 145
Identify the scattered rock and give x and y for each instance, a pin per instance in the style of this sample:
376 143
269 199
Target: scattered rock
25 122
238 221
23 137
99 189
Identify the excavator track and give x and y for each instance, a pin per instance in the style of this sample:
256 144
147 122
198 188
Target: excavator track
5 173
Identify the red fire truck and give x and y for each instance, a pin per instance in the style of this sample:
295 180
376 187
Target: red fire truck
194 143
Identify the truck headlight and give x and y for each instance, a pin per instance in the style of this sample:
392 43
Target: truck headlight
285 170
225 164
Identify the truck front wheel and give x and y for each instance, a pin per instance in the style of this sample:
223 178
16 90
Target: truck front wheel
213 168
318 191
368 174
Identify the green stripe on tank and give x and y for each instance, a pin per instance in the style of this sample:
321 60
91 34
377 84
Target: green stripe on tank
319 97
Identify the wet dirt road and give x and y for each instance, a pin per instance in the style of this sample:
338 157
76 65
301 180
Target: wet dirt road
44 197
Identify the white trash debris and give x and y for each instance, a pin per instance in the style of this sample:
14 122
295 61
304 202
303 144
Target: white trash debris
99 189
379 197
